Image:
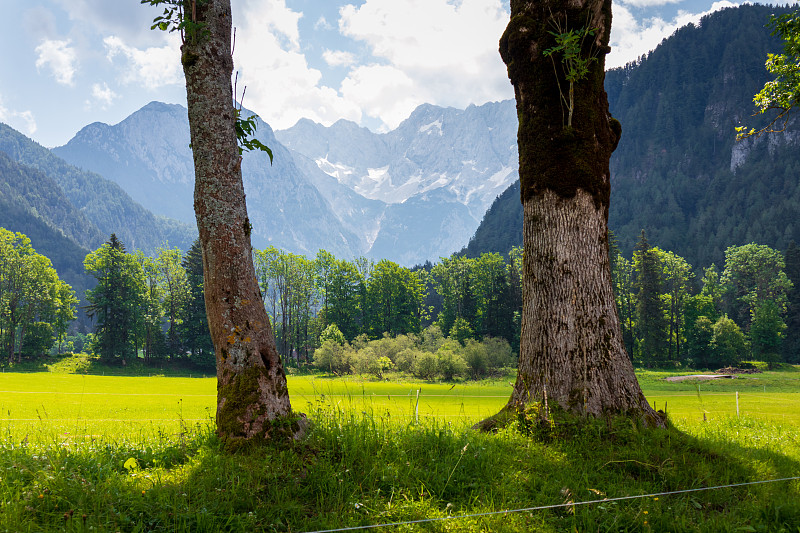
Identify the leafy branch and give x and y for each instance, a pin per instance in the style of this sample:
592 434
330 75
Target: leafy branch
574 66
246 127
173 18
782 93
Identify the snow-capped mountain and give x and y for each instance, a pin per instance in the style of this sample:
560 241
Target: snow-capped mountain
469 155
148 155
409 195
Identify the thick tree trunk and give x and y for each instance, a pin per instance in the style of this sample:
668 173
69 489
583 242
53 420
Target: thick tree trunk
571 348
571 345
252 398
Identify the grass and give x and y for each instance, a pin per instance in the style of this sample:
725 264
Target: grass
368 460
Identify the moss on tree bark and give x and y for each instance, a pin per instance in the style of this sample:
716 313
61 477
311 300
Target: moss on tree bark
571 349
252 398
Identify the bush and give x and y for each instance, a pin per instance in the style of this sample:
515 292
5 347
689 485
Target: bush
334 357
405 360
450 362
431 339
332 333
425 365
728 343
476 357
498 353
389 347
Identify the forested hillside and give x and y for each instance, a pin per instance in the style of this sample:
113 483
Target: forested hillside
102 202
31 203
678 172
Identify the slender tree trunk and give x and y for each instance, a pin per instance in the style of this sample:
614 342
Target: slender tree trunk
252 397
571 346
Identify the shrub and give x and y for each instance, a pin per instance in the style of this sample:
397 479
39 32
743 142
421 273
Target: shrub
389 347
334 357
728 342
405 360
425 365
431 339
333 333
498 353
450 362
475 355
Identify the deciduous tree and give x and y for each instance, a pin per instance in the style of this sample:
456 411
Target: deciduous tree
252 397
571 348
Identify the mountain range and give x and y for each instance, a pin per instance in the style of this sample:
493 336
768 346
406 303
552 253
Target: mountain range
67 212
412 194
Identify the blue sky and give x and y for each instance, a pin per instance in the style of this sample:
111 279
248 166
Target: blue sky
67 63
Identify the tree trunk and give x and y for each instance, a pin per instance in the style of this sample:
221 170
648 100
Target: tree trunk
252 397
571 346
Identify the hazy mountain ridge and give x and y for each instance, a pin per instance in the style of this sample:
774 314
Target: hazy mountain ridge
148 154
32 204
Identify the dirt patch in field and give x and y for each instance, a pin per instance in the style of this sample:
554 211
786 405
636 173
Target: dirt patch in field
701 377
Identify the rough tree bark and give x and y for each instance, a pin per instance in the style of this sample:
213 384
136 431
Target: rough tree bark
571 347
252 397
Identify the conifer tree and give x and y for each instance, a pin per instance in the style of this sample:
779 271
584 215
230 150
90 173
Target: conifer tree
117 301
651 324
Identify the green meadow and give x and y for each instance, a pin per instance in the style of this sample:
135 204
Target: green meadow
88 452
49 404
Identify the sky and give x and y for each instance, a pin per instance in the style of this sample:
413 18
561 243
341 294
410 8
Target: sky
68 63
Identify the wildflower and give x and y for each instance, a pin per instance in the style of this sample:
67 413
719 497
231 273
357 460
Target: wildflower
41 496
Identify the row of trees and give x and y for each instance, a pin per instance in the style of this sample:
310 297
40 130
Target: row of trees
742 312
465 298
155 306
36 307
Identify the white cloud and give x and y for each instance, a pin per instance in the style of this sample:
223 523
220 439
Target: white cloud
338 58
322 23
648 3
151 67
447 57
19 120
103 95
630 38
281 87
383 92
59 57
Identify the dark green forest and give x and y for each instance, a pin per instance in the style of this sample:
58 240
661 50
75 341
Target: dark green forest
678 172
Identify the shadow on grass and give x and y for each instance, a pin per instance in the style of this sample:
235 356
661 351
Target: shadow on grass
358 469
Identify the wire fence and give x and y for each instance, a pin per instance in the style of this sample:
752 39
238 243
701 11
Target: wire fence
553 506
